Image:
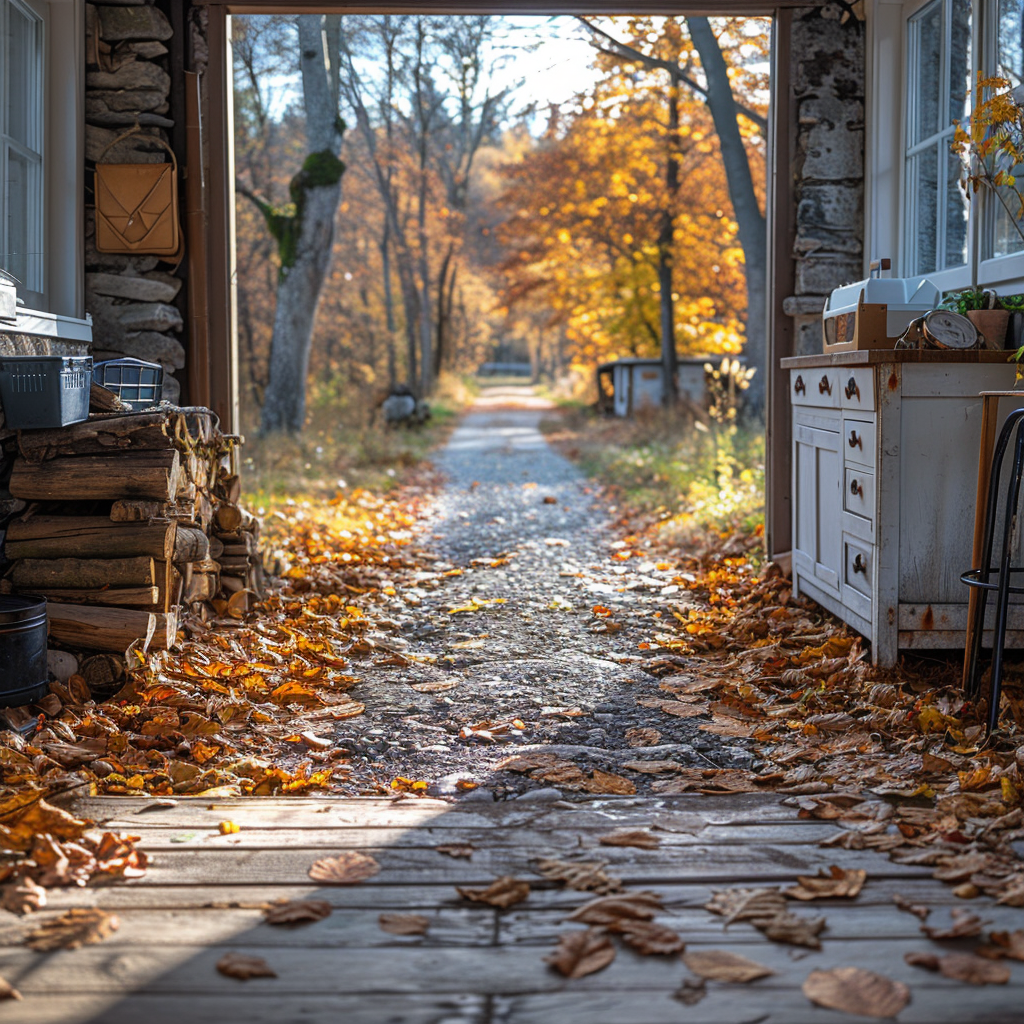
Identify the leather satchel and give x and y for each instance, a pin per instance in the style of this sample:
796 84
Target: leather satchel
137 206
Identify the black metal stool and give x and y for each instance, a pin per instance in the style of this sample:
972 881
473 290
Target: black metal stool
982 578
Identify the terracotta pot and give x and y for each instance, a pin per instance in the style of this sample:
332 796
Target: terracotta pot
991 324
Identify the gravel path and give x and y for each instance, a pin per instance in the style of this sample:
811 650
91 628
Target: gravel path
525 548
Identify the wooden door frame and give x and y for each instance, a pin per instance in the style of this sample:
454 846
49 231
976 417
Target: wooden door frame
222 298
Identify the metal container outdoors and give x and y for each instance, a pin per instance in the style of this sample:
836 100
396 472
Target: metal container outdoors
23 675
45 391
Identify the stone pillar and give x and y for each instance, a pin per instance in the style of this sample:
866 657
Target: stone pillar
828 76
135 301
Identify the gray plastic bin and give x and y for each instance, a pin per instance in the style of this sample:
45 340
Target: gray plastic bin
45 391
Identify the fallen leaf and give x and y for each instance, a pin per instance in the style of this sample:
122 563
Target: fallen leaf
582 953
636 906
228 828
463 850
681 710
242 967
581 875
296 911
81 926
854 990
404 924
721 965
648 937
975 970
653 767
791 929
22 896
634 837
1009 944
605 782
746 904
691 992
437 686
727 727
917 909
7 990
344 869
966 924
503 892
836 882
643 737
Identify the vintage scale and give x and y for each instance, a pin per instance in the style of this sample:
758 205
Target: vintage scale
876 313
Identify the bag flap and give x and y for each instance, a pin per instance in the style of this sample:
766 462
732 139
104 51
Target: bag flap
123 188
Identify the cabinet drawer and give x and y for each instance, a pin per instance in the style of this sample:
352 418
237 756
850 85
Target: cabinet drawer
857 388
818 386
859 442
859 566
859 492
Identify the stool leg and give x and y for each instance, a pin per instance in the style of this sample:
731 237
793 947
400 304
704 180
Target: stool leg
1003 593
992 508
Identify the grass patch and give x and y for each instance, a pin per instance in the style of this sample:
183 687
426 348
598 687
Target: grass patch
692 478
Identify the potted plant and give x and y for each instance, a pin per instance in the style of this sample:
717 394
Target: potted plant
985 310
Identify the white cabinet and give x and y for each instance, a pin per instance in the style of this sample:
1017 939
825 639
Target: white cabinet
885 468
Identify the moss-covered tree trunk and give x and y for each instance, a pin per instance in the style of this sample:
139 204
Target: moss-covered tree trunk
305 231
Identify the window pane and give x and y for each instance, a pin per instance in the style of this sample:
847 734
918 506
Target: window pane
926 72
22 228
23 61
922 191
956 212
1011 40
960 83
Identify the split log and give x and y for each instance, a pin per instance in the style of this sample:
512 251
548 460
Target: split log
154 475
235 564
150 431
232 584
216 548
129 511
101 399
93 537
103 674
83 573
201 587
109 629
190 545
122 597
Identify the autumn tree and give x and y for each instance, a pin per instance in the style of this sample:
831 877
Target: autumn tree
303 228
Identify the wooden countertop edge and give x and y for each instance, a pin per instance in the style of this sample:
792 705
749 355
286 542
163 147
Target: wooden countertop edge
872 357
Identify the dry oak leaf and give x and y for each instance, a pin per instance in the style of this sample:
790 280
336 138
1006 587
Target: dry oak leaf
653 767
7 990
746 904
643 737
966 924
796 931
463 850
634 906
404 924
835 882
296 911
1009 944
721 965
585 876
242 967
606 782
582 953
917 909
631 837
344 869
502 892
975 970
22 896
81 926
854 990
683 710
648 937
691 992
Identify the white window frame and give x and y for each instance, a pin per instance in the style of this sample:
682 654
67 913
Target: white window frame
33 288
888 76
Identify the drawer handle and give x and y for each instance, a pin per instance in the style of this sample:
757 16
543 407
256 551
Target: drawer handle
852 389
856 441
824 386
860 564
856 489
799 387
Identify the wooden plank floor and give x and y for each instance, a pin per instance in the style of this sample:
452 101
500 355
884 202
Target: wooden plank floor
476 965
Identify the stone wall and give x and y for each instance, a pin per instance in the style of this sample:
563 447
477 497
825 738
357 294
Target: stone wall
828 78
136 302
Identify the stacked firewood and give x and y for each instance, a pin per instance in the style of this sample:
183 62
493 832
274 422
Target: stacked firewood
131 524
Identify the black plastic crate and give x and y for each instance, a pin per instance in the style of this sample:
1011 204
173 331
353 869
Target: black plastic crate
132 380
45 391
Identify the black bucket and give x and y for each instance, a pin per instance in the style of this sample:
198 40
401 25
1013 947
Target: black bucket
23 676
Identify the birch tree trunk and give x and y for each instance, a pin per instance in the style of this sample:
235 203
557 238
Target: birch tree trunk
305 237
